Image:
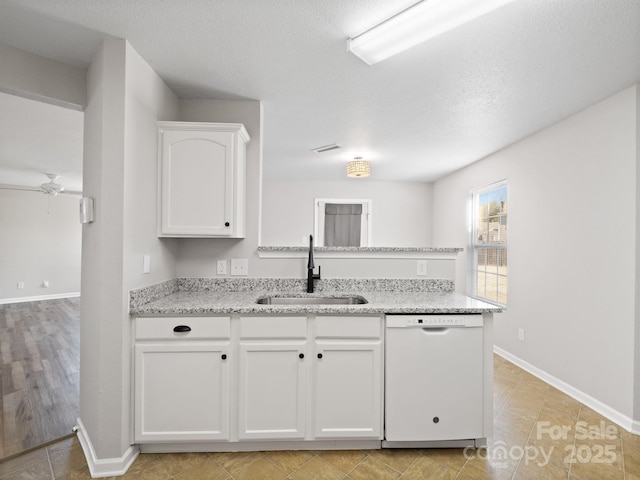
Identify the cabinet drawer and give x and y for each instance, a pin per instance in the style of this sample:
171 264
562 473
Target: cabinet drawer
273 327
348 327
182 328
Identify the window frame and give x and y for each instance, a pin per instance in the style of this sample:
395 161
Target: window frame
474 246
318 218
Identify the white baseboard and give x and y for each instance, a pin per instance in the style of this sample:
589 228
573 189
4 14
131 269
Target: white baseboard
603 409
104 467
35 298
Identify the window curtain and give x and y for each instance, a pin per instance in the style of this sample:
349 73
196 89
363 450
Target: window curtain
342 224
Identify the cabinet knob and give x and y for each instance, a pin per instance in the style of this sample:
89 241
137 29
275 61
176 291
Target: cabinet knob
436 419
224 356
319 355
301 355
181 328
226 224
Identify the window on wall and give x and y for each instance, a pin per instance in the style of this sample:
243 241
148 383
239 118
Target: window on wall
342 223
489 243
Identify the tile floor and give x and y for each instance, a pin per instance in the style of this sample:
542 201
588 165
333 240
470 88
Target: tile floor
539 433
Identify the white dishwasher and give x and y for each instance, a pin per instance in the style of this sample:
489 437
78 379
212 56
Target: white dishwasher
433 380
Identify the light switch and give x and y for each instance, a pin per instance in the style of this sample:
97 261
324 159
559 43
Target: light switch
239 266
146 264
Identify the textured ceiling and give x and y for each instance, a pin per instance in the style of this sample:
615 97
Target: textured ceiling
417 116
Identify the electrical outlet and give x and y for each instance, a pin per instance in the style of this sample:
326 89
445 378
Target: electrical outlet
20 285
421 267
146 263
221 267
239 266
521 334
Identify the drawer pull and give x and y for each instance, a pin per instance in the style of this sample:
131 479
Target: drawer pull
182 328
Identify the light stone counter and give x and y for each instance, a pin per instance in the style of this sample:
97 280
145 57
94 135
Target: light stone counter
305 249
187 296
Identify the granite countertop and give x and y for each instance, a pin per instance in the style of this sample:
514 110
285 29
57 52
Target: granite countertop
191 298
305 248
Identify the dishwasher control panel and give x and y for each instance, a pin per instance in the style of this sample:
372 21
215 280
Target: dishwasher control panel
427 321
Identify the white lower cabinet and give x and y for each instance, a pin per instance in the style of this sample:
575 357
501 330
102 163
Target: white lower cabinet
173 400
271 377
275 378
348 391
181 383
271 402
347 378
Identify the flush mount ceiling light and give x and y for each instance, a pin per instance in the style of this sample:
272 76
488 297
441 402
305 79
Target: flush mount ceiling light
416 24
358 168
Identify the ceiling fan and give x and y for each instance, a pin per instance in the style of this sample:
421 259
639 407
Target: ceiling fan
51 187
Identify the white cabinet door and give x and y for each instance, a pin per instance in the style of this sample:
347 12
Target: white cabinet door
348 390
271 391
181 392
201 170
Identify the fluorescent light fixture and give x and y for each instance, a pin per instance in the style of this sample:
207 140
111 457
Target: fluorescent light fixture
417 24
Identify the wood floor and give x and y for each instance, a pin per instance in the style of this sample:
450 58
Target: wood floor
39 389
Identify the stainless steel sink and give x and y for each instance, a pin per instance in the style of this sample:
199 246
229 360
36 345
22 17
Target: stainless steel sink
277 300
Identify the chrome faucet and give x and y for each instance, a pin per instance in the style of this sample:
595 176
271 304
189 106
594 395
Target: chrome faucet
310 267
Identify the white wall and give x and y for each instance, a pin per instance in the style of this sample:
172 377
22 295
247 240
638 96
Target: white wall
40 239
149 100
636 395
40 78
572 251
125 99
102 271
401 211
198 257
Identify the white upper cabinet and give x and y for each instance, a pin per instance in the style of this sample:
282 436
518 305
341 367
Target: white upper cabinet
201 179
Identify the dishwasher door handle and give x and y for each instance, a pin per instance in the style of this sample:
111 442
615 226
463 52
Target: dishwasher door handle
435 330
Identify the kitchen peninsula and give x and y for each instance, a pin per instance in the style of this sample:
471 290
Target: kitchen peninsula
217 371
